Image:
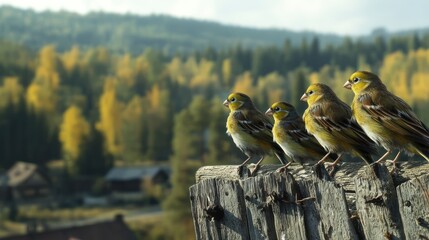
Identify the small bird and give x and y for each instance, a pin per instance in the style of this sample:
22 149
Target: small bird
251 130
387 119
330 121
289 132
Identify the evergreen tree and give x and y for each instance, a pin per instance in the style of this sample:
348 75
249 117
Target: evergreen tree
298 85
177 206
220 148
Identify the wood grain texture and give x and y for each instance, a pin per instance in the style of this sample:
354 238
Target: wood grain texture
359 202
327 216
226 194
260 218
377 205
413 197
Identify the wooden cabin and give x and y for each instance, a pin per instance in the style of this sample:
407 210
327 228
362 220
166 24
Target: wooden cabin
27 180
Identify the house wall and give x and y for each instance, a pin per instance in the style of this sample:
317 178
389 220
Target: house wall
35 186
126 186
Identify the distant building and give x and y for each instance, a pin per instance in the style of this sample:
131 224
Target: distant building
127 183
109 230
27 180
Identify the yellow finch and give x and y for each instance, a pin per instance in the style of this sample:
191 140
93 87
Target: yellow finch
388 120
250 129
330 121
289 132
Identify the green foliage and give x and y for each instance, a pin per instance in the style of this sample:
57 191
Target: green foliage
148 105
185 148
95 160
298 84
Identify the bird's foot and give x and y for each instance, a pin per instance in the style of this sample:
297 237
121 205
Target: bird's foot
333 170
378 162
332 167
395 166
283 168
254 170
321 162
241 168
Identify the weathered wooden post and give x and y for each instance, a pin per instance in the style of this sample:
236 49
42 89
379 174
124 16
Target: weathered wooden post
360 202
413 197
377 204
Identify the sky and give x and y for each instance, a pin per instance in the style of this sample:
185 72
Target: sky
345 17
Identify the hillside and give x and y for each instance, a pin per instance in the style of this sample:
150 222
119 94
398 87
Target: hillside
134 33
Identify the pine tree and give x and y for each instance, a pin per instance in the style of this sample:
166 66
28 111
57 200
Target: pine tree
177 206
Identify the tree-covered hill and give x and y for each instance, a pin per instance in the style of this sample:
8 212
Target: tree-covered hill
132 33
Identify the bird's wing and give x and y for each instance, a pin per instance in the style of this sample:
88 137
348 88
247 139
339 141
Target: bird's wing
393 113
256 124
336 119
296 130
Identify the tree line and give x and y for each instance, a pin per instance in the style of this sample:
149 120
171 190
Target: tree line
93 109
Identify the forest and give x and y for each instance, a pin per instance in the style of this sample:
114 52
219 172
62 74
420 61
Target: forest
94 108
128 33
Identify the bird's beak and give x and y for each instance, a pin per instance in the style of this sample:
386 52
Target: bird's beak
347 85
226 103
269 112
304 97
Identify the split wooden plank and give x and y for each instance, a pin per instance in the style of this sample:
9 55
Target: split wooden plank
218 210
377 204
327 215
285 200
413 197
259 214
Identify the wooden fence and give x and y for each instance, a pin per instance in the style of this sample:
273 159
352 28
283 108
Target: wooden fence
360 202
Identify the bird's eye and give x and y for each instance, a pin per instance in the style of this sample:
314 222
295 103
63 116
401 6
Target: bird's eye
355 80
276 109
310 92
232 99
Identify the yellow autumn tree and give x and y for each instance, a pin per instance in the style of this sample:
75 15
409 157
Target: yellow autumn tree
271 88
110 117
159 116
71 59
204 75
74 130
227 71
244 84
392 72
132 117
176 70
125 71
419 86
11 92
41 95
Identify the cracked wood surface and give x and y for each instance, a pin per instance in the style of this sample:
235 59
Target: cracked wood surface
358 202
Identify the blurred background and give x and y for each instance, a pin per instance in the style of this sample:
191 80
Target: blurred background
108 108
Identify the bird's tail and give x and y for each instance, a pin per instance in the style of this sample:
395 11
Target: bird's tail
424 153
280 154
